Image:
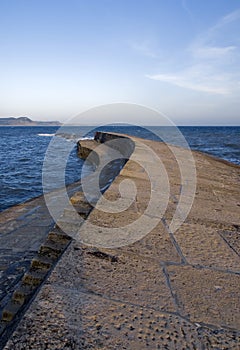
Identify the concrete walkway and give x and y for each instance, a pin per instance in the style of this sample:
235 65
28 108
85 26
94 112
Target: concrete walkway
162 289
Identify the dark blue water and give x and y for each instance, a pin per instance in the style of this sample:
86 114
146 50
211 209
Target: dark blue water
22 151
220 141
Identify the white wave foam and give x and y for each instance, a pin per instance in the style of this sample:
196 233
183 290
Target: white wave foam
46 135
87 138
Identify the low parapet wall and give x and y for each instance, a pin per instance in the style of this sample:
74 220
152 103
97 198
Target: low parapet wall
108 153
121 143
125 145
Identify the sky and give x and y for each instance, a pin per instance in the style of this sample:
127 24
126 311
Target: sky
61 57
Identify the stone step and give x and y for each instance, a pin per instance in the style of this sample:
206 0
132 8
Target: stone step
10 311
22 293
59 236
78 198
33 278
83 210
51 249
42 263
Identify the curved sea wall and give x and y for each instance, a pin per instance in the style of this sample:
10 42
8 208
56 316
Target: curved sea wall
161 288
111 150
121 143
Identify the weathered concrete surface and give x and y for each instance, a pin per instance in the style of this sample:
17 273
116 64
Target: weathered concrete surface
169 290
23 229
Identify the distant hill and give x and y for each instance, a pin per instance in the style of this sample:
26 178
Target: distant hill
24 121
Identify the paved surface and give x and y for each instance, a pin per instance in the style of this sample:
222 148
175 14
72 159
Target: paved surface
168 290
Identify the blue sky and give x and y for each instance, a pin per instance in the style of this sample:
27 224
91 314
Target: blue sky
60 57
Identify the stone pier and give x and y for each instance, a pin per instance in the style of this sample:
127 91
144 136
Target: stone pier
121 282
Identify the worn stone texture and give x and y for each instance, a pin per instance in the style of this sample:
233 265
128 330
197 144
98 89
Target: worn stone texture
203 245
207 296
66 318
166 290
102 274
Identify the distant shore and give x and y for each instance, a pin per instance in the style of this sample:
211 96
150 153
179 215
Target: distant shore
25 121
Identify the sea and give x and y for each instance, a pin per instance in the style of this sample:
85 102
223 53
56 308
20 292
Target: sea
23 150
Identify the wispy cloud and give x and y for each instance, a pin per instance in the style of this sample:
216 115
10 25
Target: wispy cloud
212 52
220 25
229 18
212 63
196 78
